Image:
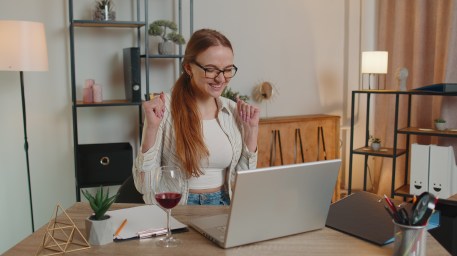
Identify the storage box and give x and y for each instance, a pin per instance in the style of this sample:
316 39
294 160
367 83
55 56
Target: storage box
420 156
441 165
104 164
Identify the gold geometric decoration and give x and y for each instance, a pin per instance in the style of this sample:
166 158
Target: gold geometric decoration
62 236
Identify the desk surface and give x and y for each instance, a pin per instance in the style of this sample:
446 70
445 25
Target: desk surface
322 242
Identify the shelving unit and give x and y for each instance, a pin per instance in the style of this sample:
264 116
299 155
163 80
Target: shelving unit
396 151
140 26
179 56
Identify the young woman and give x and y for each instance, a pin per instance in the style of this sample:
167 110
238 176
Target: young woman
208 136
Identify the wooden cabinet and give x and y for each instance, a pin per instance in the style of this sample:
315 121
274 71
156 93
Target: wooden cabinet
312 142
317 136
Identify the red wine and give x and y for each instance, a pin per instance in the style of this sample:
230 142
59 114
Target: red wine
168 200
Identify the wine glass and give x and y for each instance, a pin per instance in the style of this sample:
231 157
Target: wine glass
167 188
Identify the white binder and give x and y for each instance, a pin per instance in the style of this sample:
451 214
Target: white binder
420 155
442 174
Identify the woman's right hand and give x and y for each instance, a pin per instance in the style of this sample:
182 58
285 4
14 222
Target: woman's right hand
154 110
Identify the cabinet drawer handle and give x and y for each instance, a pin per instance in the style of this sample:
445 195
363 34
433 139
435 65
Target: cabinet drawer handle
104 160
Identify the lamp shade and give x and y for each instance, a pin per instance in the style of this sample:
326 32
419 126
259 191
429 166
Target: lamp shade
23 46
374 62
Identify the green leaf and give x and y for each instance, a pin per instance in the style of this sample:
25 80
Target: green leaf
101 202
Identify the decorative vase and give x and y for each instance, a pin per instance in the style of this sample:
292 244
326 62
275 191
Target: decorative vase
375 146
99 232
440 126
104 14
166 48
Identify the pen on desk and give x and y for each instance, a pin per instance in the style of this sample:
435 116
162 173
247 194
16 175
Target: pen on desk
152 233
119 229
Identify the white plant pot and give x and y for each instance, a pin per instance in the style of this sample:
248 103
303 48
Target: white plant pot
440 126
375 146
166 48
99 232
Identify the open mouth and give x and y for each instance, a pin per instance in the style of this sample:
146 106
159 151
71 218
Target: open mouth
216 86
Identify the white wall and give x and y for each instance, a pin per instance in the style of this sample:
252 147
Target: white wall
308 49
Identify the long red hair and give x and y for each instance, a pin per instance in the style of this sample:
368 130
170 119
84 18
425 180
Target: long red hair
190 146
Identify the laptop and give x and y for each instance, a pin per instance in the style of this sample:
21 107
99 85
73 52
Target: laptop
273 202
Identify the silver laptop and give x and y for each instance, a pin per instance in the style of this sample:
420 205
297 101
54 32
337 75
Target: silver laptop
273 202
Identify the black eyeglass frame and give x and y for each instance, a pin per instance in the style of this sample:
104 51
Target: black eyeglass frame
215 70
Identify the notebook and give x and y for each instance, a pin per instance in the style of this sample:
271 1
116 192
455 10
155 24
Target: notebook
142 222
273 202
362 215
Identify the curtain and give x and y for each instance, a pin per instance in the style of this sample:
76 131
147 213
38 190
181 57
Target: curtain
421 36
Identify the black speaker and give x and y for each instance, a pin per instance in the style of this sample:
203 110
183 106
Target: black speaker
132 74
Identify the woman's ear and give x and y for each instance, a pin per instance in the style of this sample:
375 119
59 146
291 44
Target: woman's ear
188 69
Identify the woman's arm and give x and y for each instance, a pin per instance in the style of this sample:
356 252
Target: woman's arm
249 116
153 113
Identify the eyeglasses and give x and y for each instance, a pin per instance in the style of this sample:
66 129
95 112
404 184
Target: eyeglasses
212 72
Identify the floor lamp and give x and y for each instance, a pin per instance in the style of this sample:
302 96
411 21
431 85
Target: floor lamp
374 63
23 48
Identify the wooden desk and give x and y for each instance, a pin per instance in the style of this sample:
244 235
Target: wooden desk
322 242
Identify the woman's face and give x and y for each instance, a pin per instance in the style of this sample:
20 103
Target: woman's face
211 83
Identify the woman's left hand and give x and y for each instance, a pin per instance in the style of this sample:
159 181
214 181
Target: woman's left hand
250 116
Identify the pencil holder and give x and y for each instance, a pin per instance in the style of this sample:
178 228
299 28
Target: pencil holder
410 240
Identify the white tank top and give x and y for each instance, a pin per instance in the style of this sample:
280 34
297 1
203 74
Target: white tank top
220 156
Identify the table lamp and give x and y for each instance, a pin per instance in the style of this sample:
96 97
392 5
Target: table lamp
23 48
374 63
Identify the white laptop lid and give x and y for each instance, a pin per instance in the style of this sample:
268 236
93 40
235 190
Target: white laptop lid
279 201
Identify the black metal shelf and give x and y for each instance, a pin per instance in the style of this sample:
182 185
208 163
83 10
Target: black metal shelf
140 30
108 24
428 132
107 103
408 131
165 56
140 25
383 152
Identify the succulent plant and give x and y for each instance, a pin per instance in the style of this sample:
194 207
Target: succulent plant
159 28
374 139
440 120
100 203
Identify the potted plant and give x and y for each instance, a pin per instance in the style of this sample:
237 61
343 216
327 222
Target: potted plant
440 124
160 28
375 143
229 94
99 229
104 10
